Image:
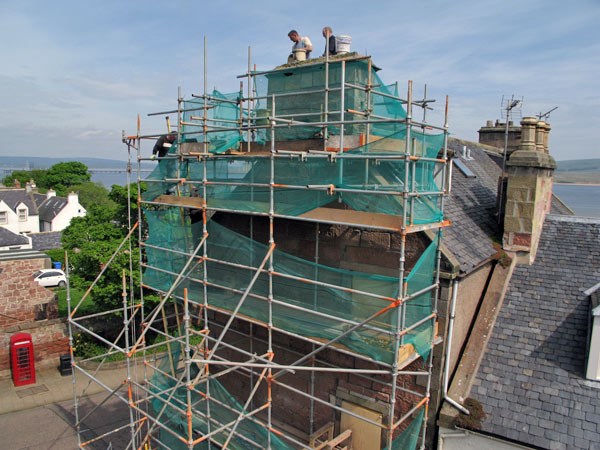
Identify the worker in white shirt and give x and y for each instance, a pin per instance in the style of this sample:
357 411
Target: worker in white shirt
301 44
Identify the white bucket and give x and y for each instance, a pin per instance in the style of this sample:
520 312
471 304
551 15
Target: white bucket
342 43
300 55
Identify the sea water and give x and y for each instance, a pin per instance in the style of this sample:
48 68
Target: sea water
583 199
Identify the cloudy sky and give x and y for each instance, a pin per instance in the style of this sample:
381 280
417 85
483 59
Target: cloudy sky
76 73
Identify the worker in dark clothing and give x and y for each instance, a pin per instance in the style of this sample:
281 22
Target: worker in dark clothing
163 144
329 41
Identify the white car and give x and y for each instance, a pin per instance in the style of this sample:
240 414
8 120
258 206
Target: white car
50 278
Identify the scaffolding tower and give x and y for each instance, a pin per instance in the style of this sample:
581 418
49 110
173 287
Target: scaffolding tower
256 342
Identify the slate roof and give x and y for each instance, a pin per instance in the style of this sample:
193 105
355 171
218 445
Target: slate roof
471 207
8 238
12 197
12 255
38 204
46 240
531 380
50 208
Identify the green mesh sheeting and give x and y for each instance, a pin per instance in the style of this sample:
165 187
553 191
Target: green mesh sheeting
169 229
293 175
297 99
222 114
300 102
224 409
409 438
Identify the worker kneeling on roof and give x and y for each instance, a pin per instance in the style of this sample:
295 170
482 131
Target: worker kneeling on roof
301 48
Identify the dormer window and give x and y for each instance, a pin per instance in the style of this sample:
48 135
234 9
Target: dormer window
3 217
22 213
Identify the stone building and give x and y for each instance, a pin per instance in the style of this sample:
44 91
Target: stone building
27 307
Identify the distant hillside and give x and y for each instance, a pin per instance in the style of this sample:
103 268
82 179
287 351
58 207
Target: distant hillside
35 162
584 171
579 165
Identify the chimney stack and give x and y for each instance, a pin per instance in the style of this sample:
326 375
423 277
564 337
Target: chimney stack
529 190
50 193
30 186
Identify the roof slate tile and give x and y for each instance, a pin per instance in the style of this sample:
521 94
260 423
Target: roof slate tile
542 326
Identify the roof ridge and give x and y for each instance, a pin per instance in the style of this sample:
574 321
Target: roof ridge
573 219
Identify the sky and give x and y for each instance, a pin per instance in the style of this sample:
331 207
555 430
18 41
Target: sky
74 74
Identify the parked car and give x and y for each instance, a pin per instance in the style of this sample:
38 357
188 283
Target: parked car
50 277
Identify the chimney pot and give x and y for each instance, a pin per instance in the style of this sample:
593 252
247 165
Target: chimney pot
547 129
540 131
528 125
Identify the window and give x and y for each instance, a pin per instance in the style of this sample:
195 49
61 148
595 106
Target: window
3 217
22 214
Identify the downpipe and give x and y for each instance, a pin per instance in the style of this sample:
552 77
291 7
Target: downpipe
451 401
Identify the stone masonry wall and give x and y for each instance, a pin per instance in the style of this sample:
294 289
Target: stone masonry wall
50 340
339 246
292 408
21 298
27 307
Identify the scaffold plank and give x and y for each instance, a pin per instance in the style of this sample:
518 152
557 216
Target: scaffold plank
176 200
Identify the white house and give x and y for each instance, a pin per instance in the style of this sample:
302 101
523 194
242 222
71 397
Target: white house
18 211
56 212
24 211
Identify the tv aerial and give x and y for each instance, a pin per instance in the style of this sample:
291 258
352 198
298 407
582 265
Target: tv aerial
511 106
545 115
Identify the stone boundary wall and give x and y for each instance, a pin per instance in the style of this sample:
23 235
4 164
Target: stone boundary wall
26 307
50 340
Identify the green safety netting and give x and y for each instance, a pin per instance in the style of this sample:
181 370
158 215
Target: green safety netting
222 114
300 183
322 312
224 409
409 438
373 185
300 96
219 405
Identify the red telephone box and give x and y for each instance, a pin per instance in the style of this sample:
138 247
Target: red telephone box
21 359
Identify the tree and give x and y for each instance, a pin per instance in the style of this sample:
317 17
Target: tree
62 176
93 195
92 240
118 194
24 176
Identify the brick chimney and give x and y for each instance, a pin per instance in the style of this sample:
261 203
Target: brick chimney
529 190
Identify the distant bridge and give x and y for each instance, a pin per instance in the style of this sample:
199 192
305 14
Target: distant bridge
8 170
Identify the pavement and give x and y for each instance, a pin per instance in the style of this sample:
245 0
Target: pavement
51 387
41 416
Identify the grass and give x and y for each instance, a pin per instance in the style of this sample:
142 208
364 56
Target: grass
86 307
